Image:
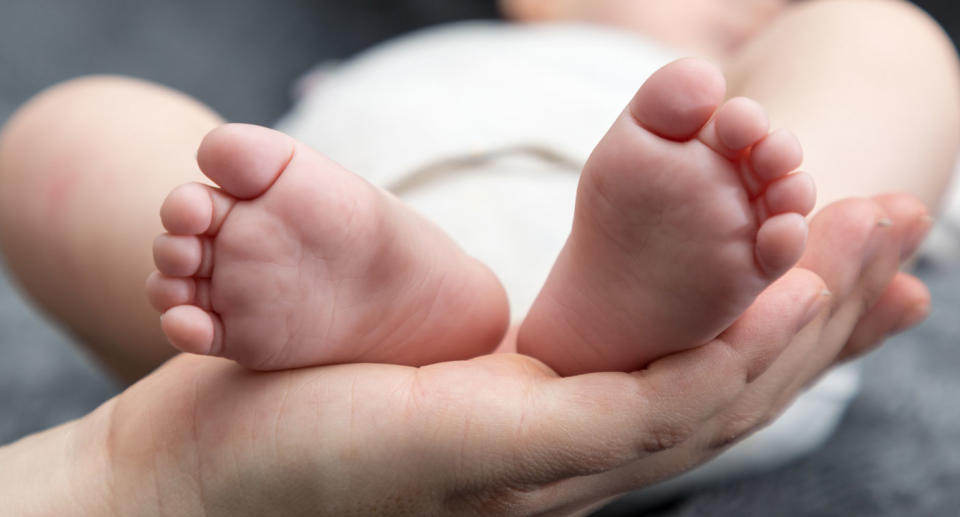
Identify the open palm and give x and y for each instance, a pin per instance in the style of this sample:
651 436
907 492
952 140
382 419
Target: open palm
502 433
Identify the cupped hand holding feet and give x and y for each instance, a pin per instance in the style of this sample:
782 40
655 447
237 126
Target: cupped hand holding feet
685 212
295 262
499 434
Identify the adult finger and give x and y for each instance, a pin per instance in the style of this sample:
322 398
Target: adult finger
904 304
594 423
844 236
892 243
858 283
905 301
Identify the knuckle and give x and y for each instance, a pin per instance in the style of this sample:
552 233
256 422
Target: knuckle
664 437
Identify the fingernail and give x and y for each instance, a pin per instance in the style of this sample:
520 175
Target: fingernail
916 237
817 304
912 318
885 223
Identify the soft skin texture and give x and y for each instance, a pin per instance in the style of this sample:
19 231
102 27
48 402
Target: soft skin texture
150 451
686 211
141 139
294 261
497 434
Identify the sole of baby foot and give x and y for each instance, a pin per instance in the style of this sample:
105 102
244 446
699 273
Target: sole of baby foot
687 209
294 261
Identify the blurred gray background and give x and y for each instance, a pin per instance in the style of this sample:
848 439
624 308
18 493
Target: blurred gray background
897 451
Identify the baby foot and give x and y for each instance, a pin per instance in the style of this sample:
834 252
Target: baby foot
295 261
685 212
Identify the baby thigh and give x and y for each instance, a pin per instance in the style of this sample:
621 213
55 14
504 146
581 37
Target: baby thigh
84 167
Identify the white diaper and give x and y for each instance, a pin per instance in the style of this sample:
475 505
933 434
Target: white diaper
483 127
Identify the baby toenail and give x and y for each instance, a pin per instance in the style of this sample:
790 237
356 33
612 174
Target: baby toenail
885 222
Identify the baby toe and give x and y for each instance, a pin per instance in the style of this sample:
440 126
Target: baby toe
777 154
187 210
679 99
792 193
182 255
165 292
195 209
244 159
740 123
192 329
780 243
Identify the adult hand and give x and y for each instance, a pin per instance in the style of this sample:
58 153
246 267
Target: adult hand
500 434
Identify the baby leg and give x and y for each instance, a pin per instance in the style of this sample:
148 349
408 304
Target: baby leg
84 167
872 89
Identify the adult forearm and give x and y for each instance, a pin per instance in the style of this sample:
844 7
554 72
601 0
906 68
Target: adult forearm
60 471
